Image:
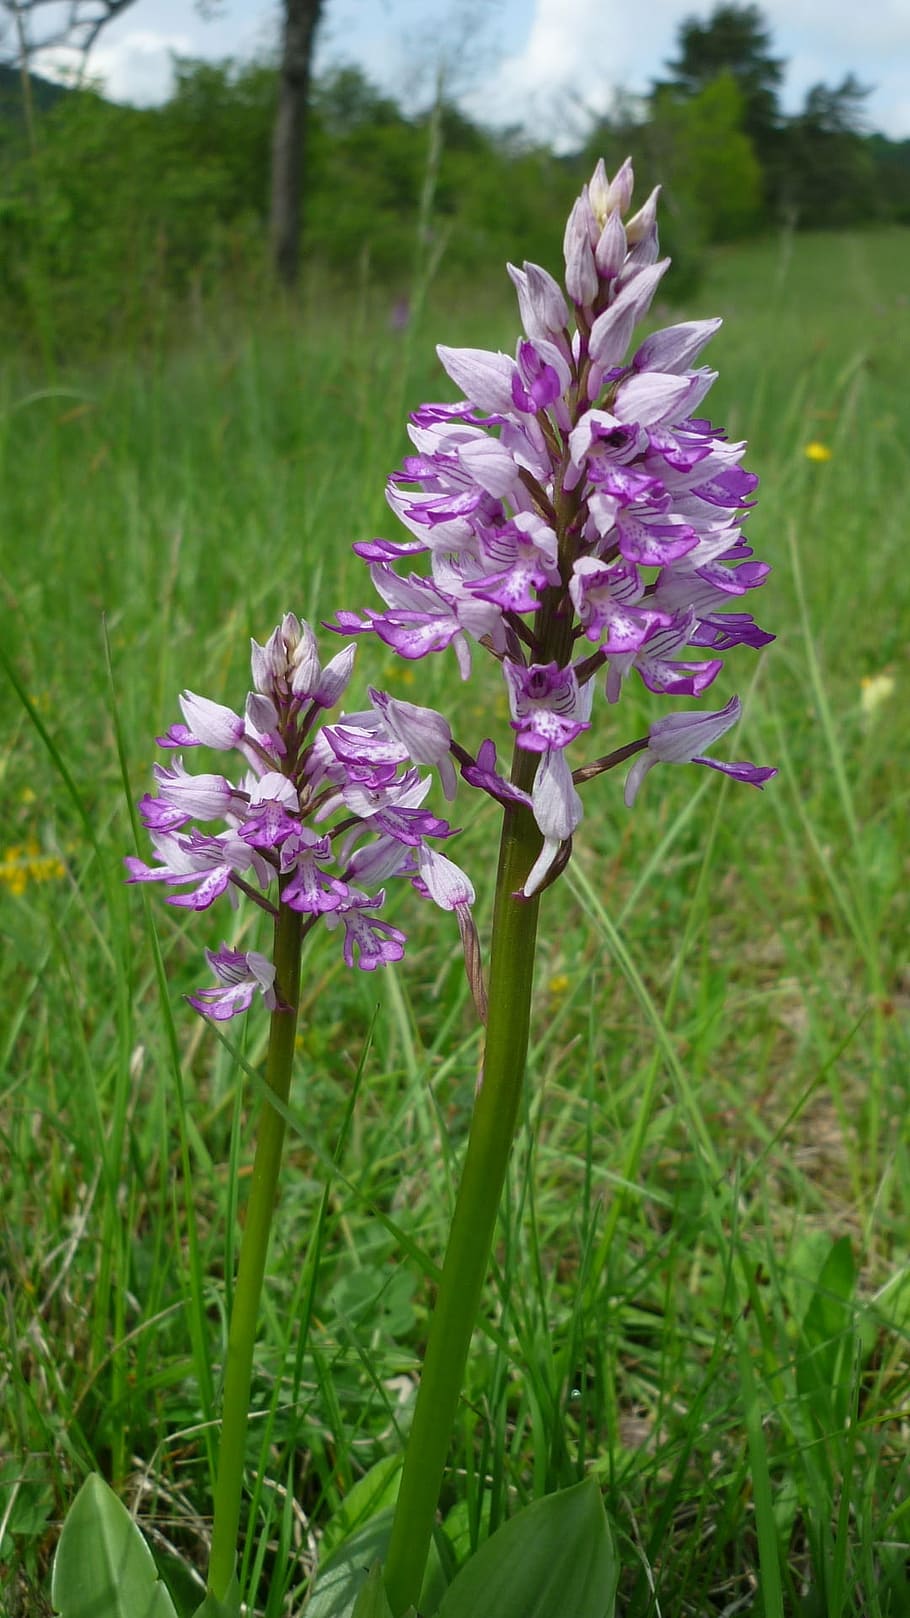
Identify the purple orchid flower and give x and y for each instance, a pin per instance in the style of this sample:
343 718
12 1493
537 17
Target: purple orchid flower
240 974
320 815
681 738
576 493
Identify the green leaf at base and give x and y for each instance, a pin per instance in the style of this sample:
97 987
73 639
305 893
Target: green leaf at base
372 1601
555 1559
344 1574
102 1565
228 1608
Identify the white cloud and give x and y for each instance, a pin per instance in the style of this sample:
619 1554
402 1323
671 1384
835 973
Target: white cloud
138 68
577 53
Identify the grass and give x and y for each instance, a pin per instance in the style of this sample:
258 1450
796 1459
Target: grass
700 1288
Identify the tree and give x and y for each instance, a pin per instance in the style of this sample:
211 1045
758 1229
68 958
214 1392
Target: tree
33 26
831 179
839 111
891 159
736 40
705 159
301 20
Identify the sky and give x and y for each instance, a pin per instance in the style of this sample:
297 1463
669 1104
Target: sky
547 64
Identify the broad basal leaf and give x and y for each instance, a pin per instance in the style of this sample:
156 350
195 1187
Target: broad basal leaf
103 1567
555 1559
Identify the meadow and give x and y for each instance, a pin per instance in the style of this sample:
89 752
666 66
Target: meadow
700 1288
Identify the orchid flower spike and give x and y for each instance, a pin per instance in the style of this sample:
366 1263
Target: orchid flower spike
576 516
318 815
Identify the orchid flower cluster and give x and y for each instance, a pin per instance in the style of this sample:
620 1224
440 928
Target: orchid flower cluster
321 814
579 518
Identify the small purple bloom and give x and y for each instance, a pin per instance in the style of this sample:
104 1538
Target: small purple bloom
601 435
548 708
368 942
240 974
199 797
608 600
540 300
525 551
650 539
207 864
311 889
660 672
156 815
541 377
211 723
422 732
484 378
673 348
681 739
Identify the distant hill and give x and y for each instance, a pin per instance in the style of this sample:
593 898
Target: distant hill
45 93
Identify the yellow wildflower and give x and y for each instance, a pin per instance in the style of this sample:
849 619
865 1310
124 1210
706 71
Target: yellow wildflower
874 690
24 863
816 451
12 870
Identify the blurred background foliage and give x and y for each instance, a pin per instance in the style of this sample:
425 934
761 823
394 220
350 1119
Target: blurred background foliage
115 219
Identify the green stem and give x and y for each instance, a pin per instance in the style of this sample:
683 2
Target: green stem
477 1204
253 1252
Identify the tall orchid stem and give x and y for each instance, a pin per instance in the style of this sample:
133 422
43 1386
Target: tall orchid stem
477 1204
253 1252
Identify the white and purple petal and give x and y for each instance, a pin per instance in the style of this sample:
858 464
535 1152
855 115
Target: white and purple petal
211 722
